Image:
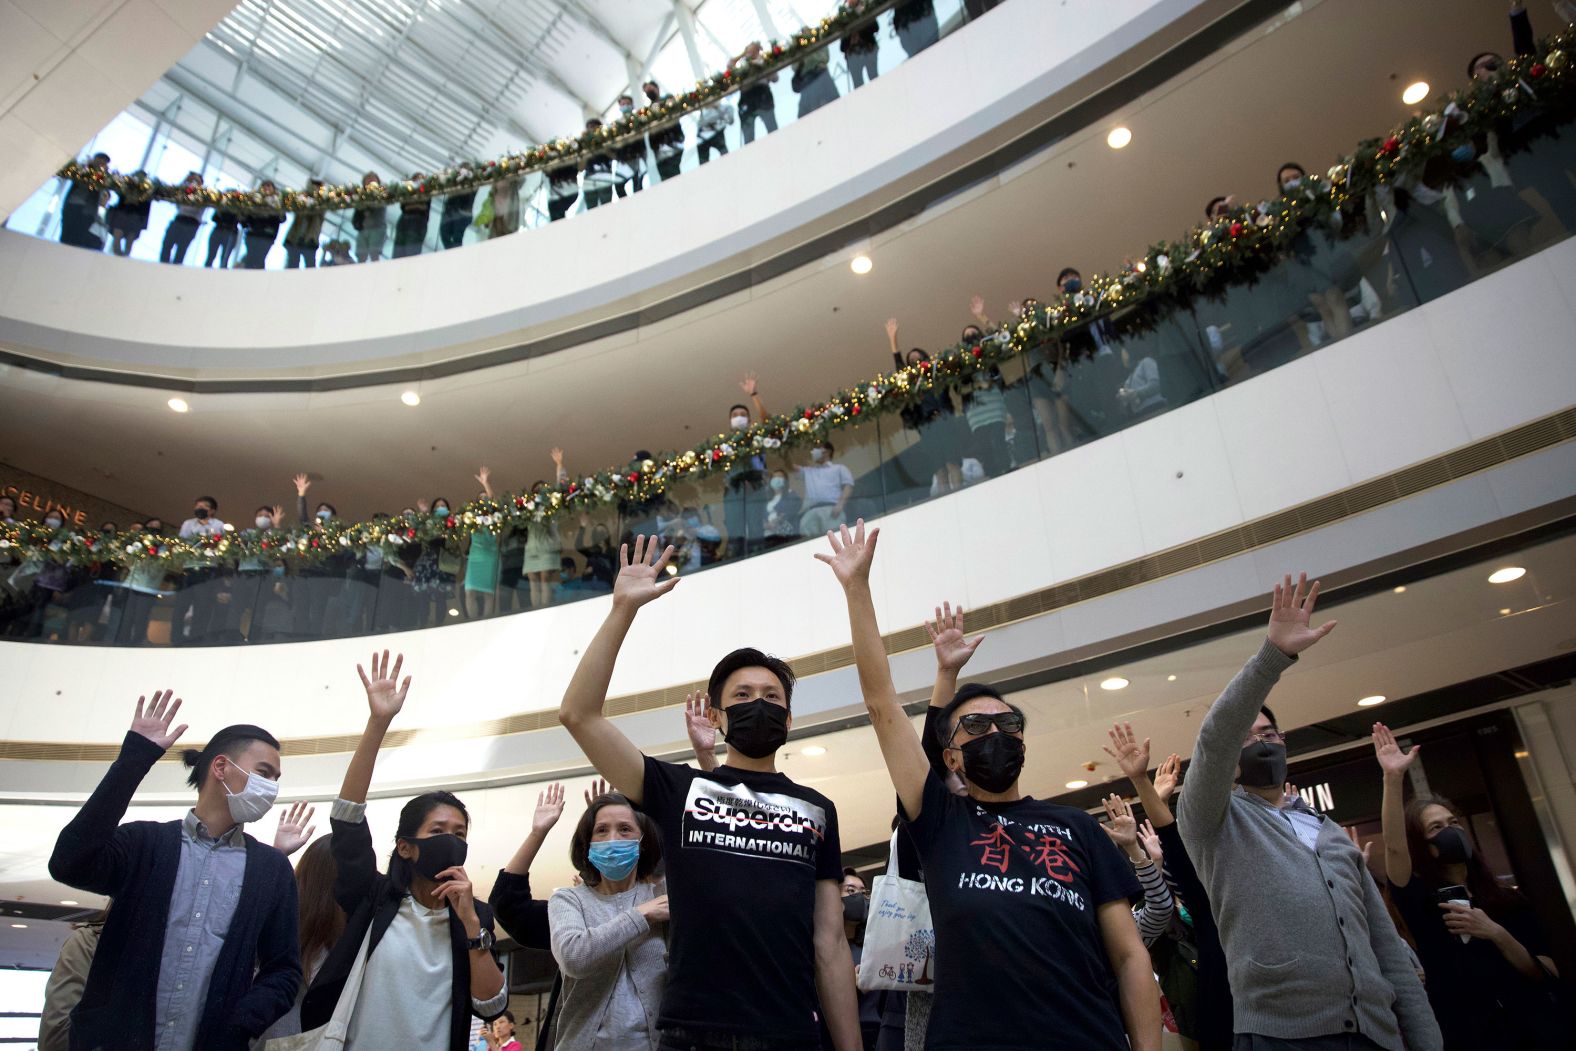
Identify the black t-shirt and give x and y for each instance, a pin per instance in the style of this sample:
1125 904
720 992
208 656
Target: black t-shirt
1475 992
743 851
1014 889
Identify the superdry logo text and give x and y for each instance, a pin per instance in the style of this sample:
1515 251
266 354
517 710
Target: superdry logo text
736 820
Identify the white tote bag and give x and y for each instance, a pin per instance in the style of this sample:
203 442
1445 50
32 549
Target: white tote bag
331 1036
900 942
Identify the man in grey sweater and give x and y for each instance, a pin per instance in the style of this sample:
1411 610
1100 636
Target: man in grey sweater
1314 961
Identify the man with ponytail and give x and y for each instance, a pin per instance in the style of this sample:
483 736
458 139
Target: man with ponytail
200 950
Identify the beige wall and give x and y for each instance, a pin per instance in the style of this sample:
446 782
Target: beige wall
34 495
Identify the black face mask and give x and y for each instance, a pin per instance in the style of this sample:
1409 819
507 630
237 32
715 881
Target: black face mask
757 728
1262 765
200 513
856 908
1453 846
443 851
993 761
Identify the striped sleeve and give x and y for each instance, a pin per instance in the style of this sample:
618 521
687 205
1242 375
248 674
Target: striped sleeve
1154 915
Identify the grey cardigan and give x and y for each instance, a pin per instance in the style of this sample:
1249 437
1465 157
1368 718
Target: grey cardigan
1310 949
595 937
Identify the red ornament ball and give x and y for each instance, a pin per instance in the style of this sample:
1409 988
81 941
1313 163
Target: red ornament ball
1537 70
634 476
449 523
716 454
1390 145
315 543
410 534
855 410
1236 229
978 351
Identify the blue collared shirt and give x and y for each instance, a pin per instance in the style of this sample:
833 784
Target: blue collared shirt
207 887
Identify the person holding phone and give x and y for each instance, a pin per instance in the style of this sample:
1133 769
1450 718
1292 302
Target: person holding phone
1490 979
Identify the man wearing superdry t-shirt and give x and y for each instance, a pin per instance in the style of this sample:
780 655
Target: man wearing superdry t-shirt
755 939
1035 942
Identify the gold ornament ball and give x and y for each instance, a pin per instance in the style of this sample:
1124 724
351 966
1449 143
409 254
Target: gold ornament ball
1555 59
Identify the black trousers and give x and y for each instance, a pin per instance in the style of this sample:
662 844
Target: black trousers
177 238
558 207
668 167
221 242
706 147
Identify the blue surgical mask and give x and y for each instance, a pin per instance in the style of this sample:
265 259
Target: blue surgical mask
440 510
615 858
1463 153
323 516
779 484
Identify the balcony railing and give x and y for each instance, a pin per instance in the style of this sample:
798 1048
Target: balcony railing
1411 217
527 188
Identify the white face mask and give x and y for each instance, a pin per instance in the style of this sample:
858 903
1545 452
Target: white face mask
264 522
253 801
740 422
53 523
818 455
779 484
1291 185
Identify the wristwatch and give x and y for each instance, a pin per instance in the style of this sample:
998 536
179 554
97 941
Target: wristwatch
484 940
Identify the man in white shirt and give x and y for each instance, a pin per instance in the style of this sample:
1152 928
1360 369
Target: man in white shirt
826 487
197 600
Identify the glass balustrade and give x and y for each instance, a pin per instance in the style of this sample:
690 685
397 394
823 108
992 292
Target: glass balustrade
1119 369
507 206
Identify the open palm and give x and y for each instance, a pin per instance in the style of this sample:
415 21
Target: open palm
643 576
852 552
697 722
385 693
549 808
946 635
1391 759
153 718
1130 756
1291 614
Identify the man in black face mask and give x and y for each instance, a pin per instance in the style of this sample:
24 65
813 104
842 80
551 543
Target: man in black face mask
756 946
1313 958
1030 899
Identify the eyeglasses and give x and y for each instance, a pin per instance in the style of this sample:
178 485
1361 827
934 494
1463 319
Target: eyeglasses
977 723
1268 737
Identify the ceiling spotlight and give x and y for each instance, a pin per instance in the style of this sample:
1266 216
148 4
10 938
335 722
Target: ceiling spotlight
1115 682
1415 92
178 405
1505 612
64 901
1118 138
411 398
1369 702
1506 575
1078 784
1171 678
20 926
814 749
454 613
861 264
1400 589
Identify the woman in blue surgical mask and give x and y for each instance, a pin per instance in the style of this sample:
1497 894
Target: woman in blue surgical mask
610 933
1490 978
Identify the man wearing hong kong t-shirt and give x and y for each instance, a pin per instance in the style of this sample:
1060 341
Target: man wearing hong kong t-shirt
756 952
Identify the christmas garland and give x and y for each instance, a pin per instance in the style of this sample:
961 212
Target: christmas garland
1230 251
473 175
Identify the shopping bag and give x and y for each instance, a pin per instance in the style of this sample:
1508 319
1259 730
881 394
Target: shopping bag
900 942
331 1035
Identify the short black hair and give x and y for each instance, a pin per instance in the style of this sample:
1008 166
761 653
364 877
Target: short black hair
1209 209
825 443
332 510
230 742
213 505
945 725
111 526
1480 56
97 155
749 657
1066 271
1290 164
1269 714
631 98
265 509
566 563
580 842
739 405
509 1015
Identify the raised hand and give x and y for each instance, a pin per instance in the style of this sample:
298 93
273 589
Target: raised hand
279 517
1290 614
302 484
946 635
1130 756
423 505
852 553
1120 824
1167 776
1150 840
977 306
549 808
748 384
295 827
557 453
891 329
643 576
484 476
153 722
385 693
702 735
599 787
1392 760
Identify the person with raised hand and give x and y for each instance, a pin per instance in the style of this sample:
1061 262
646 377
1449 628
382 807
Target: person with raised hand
1029 898
429 965
1313 957
609 930
1154 915
523 917
295 827
1479 941
1190 963
754 863
200 950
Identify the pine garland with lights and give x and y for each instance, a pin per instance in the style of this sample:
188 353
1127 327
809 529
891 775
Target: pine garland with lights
474 175
1230 251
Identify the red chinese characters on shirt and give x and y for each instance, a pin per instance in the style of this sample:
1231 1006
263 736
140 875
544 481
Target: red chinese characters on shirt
998 848
1050 853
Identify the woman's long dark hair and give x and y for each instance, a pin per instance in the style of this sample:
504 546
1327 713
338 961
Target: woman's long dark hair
322 920
411 817
580 842
1485 889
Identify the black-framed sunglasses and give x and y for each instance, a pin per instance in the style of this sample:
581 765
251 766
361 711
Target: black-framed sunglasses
976 723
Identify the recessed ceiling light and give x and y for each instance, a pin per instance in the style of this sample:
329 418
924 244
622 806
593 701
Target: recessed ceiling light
814 749
178 405
410 398
1400 589
1119 137
1506 575
1521 754
20 926
1369 702
1115 682
454 613
65 901
1078 784
861 264
1505 612
1171 678
1415 92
